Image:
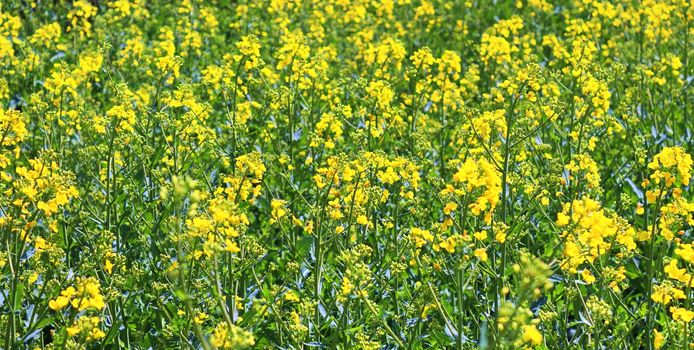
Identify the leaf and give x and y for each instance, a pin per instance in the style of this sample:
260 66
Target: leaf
180 294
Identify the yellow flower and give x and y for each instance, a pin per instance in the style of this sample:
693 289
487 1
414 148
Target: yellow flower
532 335
421 237
95 334
200 318
231 337
670 165
347 286
448 244
480 236
363 220
278 210
449 208
686 252
63 300
682 314
592 232
500 236
73 331
483 175
87 295
665 293
481 253
249 47
584 165
87 327
291 296
108 266
658 339
587 276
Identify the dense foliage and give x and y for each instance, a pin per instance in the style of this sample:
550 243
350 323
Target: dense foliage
407 174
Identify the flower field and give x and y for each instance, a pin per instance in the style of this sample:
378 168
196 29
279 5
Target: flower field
310 174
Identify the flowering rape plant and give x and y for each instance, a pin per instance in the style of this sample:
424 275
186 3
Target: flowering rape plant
410 174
